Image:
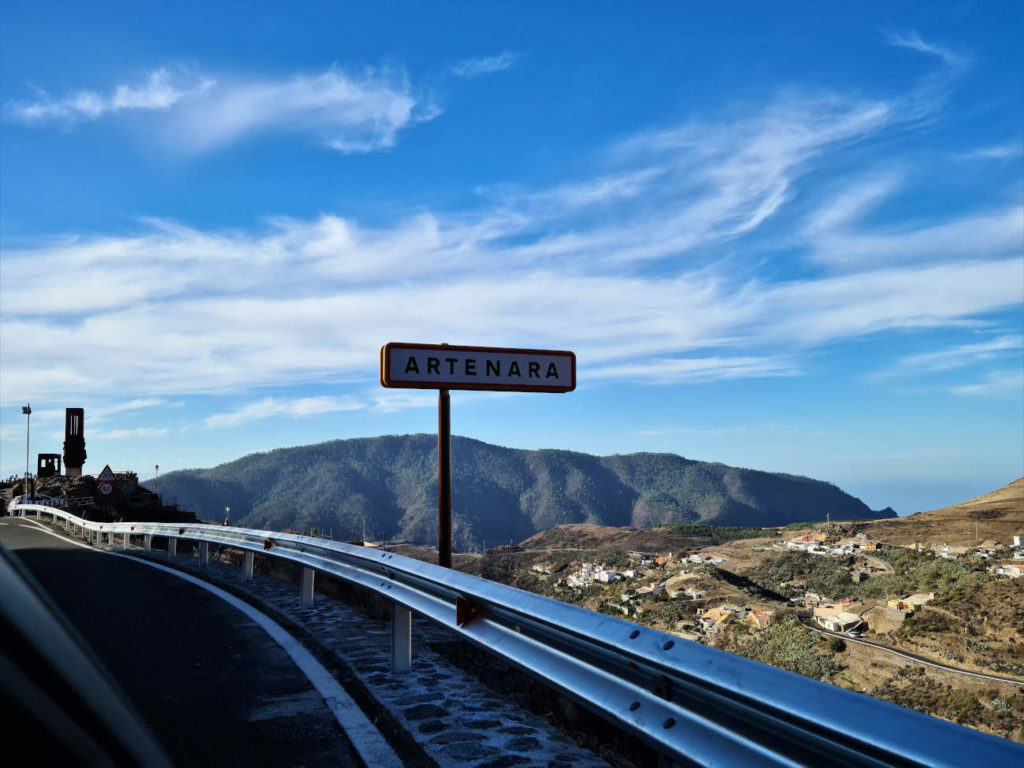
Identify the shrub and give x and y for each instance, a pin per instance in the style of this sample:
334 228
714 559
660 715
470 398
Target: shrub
836 644
790 645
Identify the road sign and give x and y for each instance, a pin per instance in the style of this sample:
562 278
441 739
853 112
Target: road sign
498 369
105 481
444 367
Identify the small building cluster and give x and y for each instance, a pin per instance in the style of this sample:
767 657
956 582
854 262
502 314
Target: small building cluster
1012 570
705 559
591 572
714 619
814 543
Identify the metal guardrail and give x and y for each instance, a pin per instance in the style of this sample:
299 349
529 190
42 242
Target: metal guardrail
693 704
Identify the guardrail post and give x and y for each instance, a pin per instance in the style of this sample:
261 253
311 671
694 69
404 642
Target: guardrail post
401 638
247 562
172 547
147 542
204 553
306 596
110 539
127 541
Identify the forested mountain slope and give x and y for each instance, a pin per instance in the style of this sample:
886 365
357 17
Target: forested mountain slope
499 495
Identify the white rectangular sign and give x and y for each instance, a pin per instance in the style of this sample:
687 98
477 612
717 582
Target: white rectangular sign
443 366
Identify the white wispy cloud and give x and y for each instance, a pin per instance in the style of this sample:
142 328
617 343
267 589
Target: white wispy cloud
995 384
992 232
650 267
912 40
123 434
270 407
674 371
348 112
851 203
1006 151
160 90
957 356
390 401
484 65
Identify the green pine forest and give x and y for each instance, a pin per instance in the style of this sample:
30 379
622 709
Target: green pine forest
387 487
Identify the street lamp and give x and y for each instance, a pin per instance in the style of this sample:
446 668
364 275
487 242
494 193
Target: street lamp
27 410
227 515
156 483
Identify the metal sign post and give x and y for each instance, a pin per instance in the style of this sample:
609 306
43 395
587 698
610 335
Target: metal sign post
444 479
445 367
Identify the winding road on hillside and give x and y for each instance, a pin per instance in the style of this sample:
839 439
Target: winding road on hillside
907 655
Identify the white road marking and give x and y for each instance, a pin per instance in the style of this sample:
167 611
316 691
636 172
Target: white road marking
365 737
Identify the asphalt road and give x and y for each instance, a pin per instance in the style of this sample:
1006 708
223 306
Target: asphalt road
908 655
211 683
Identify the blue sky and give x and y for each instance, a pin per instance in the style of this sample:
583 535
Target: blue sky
781 236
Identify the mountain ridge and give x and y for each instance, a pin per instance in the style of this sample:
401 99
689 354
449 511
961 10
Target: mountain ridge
388 485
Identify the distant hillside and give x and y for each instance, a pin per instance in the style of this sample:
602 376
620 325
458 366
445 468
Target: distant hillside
998 515
499 495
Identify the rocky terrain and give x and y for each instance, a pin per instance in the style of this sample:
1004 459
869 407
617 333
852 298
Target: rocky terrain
993 516
765 598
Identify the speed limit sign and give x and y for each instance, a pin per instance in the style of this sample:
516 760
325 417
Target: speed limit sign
105 481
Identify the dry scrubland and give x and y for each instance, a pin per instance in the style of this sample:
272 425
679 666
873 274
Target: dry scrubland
975 622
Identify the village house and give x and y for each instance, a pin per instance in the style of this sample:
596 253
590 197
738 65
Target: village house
805 544
919 598
652 590
949 553
591 572
716 617
674 585
828 609
759 619
1013 571
703 559
842 622
901 605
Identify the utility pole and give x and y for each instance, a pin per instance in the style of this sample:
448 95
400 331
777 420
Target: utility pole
27 410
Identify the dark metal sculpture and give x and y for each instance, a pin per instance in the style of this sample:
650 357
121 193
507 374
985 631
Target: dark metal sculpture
48 465
74 441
